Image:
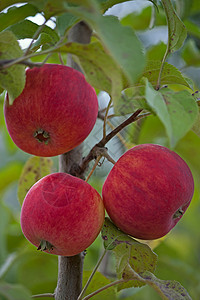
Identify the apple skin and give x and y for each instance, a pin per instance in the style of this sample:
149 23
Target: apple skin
147 191
55 112
63 210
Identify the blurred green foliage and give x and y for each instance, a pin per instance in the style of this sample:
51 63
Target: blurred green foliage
25 271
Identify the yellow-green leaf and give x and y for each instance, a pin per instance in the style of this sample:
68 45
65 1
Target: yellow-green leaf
34 169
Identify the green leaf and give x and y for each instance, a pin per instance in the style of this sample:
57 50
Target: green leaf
196 127
100 69
34 169
170 74
105 4
14 291
138 20
16 14
12 79
123 45
192 28
7 3
64 22
191 53
132 99
120 42
98 281
176 110
156 52
26 29
43 39
128 252
167 289
176 29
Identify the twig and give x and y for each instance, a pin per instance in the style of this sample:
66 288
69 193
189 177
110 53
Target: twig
130 120
92 275
105 118
35 36
120 137
99 147
106 287
43 295
94 167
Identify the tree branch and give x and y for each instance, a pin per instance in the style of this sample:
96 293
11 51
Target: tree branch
70 269
99 148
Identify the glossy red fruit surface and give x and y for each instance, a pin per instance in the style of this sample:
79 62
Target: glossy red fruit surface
62 214
55 112
147 191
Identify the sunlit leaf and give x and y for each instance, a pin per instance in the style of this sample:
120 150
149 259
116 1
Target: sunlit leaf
98 281
128 252
176 29
26 29
64 22
43 39
176 110
170 74
121 42
12 79
100 69
16 14
134 97
34 169
167 289
105 4
156 52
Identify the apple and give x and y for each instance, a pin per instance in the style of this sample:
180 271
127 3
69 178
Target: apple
147 191
55 112
62 214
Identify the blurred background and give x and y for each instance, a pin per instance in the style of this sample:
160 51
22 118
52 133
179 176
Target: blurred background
179 252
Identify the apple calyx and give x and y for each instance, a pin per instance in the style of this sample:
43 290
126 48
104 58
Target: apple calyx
42 136
45 246
178 213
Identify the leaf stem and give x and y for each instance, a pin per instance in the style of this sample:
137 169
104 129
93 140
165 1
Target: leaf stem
35 36
105 287
91 276
94 167
105 118
161 68
50 295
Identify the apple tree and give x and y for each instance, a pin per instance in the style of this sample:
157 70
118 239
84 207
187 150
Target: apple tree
68 158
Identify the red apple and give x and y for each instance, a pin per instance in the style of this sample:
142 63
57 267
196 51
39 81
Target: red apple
62 214
55 112
147 191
